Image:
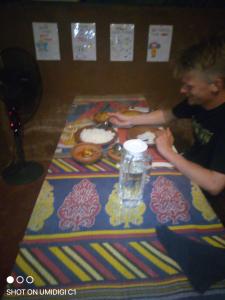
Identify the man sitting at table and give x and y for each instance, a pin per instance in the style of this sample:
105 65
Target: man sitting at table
201 69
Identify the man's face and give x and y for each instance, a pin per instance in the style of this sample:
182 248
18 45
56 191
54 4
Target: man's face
197 89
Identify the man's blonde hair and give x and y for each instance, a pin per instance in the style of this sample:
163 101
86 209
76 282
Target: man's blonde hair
206 57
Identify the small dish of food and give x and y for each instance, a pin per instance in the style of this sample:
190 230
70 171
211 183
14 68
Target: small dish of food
115 152
86 153
98 136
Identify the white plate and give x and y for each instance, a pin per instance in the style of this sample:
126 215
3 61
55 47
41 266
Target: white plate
147 137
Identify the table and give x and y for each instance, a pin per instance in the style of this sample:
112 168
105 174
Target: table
80 240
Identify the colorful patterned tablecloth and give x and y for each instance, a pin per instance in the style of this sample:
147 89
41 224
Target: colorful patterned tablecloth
80 242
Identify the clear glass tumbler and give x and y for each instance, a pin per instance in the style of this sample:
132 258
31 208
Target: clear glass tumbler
134 164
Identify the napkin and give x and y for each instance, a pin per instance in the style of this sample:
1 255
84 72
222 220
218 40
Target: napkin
159 164
148 137
203 264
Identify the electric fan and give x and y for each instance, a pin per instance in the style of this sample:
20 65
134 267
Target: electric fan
20 90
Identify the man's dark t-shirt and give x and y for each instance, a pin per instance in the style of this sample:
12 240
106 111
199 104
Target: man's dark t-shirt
208 149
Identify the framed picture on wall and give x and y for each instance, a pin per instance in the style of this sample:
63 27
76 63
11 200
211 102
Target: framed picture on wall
159 42
84 41
46 41
121 42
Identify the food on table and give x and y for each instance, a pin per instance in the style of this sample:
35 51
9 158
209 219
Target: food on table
67 137
131 112
96 135
81 122
86 153
115 152
101 117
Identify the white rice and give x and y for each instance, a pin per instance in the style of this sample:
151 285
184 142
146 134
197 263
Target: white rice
96 135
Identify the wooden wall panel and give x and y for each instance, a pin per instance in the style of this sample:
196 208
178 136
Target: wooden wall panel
63 80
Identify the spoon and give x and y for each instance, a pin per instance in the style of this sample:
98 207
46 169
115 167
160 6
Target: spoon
117 148
104 125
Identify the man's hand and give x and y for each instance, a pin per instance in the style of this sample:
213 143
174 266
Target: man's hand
164 141
120 119
209 180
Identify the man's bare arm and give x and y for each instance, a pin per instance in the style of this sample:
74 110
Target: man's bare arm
209 180
158 117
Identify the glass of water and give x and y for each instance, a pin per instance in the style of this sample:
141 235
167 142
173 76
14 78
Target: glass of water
134 165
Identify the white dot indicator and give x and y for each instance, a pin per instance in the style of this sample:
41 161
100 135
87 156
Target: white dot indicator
10 279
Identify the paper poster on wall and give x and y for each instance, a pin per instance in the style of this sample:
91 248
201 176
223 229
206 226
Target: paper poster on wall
159 42
121 42
84 41
46 41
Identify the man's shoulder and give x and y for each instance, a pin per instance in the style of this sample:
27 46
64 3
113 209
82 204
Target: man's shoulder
221 106
184 110
218 111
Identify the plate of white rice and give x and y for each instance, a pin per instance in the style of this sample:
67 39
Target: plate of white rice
97 136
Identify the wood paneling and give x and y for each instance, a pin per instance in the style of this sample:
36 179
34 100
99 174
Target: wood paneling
63 80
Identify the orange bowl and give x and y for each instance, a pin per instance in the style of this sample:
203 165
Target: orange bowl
86 153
